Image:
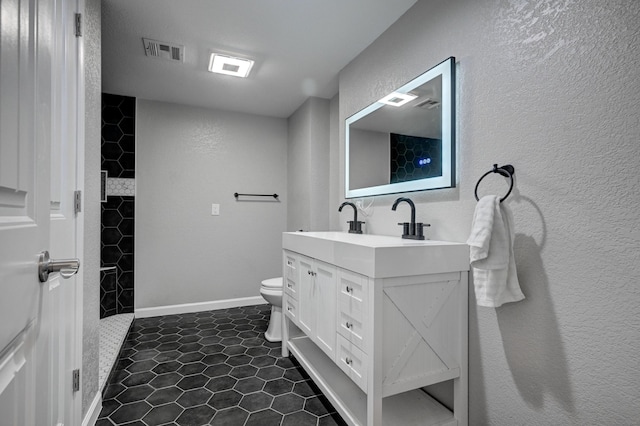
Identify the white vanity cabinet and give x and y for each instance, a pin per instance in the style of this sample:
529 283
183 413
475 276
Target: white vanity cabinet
375 319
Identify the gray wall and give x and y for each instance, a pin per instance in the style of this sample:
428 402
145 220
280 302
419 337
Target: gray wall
336 192
91 255
552 88
187 159
308 166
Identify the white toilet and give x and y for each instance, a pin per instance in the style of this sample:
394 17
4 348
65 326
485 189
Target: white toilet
271 291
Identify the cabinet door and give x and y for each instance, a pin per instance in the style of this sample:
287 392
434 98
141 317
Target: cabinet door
306 296
325 326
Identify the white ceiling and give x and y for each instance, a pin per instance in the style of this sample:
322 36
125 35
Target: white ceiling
299 47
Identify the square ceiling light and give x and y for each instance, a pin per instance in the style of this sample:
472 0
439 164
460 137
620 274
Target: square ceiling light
397 99
223 64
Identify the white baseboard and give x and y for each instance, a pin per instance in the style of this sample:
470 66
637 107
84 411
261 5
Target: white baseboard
198 307
93 412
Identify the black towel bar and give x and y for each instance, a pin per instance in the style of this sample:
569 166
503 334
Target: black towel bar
236 194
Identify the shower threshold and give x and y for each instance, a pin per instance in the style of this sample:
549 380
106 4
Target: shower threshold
113 331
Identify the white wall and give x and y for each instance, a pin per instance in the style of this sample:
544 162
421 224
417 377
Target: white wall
188 158
308 166
552 88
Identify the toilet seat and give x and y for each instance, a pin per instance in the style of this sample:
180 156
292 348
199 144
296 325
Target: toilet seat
272 283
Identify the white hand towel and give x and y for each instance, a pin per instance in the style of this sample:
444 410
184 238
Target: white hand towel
491 254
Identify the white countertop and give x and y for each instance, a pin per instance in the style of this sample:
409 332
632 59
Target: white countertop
379 256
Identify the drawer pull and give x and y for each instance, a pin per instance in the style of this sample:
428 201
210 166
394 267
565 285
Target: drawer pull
348 324
289 308
348 360
289 285
349 289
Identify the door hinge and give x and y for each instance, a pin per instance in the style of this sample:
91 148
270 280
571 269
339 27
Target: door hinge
77 201
76 380
78 21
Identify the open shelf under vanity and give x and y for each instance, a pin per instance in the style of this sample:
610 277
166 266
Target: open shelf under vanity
413 407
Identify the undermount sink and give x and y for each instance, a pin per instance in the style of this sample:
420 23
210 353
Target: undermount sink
379 256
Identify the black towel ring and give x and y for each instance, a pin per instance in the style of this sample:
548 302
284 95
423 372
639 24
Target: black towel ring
507 171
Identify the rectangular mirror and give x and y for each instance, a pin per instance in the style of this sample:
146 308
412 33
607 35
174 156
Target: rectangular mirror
405 141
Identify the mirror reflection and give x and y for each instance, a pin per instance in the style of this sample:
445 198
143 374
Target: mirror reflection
404 141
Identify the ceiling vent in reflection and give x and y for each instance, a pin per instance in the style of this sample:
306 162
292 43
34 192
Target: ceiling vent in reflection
428 103
163 50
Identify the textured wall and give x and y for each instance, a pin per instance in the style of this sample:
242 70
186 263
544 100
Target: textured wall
308 166
91 256
551 87
187 159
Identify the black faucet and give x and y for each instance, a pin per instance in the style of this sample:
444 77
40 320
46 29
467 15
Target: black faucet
410 230
355 226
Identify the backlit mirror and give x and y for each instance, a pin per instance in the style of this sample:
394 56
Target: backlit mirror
406 140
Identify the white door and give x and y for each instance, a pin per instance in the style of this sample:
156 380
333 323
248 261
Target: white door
30 311
61 294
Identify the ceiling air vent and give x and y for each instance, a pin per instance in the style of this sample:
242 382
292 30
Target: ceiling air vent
428 103
163 50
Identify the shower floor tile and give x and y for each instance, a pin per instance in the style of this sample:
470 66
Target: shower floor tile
210 368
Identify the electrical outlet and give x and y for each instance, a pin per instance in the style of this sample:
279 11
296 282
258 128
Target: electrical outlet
215 209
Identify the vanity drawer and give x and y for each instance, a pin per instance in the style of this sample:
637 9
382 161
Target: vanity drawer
290 309
291 279
291 288
352 361
352 311
352 294
351 328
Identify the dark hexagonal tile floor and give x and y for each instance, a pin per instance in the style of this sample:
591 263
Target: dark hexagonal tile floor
210 368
